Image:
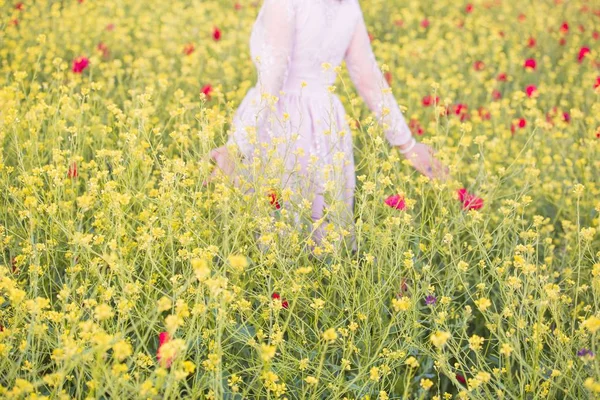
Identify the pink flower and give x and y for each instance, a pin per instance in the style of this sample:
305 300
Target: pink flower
470 201
79 64
469 8
162 339
425 23
530 64
396 201
582 53
530 90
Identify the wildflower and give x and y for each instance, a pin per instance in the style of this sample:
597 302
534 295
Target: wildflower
429 100
475 342
201 269
311 380
374 374
402 304
469 8
79 64
163 338
564 28
122 350
582 53
461 379
506 349
585 354
469 201
439 339
412 362
502 77
273 199
426 383
238 262
430 300
483 304
496 94
396 201
206 89
592 324
72 173
103 311
530 90
479 65
425 23
284 302
188 49
530 64
216 33
531 42
330 335
267 352
591 385
104 49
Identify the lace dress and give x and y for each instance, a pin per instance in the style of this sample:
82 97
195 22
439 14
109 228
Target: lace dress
291 127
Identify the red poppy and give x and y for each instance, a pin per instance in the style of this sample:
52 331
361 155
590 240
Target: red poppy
461 379
522 17
19 6
396 201
501 33
562 41
216 33
415 126
530 64
461 110
479 65
79 64
469 8
399 22
237 6
522 123
425 23
496 94
14 22
581 28
206 90
502 77
188 49
530 90
104 49
582 53
531 42
470 201
596 35
273 199
566 117
284 302
72 173
388 77
110 27
162 339
430 100
564 28
597 84
484 113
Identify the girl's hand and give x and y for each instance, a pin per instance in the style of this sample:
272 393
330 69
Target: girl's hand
422 158
225 164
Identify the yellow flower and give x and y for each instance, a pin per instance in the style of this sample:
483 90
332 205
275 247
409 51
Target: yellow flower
592 324
103 311
506 349
311 380
412 362
483 304
201 269
475 342
426 383
267 352
238 263
439 339
122 350
401 304
330 334
374 374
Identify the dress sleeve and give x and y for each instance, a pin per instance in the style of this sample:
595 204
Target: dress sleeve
372 86
273 38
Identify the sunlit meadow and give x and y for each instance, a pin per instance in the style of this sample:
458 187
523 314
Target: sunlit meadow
123 277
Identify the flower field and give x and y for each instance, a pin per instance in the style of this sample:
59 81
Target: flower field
124 277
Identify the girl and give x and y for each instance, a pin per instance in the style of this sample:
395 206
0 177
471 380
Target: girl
293 122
